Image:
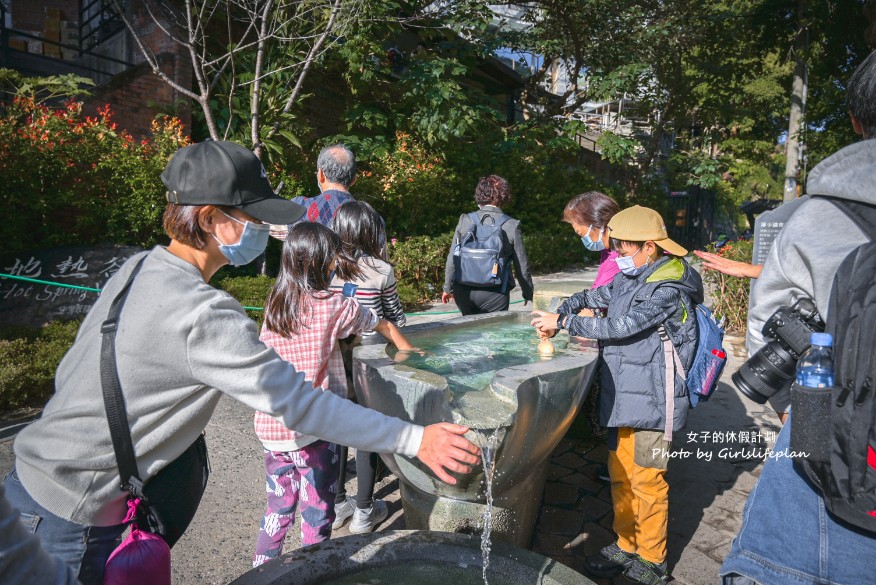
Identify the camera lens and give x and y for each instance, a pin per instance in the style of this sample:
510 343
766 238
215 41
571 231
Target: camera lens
767 372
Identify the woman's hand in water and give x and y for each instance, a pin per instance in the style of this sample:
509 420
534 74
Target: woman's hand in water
445 449
545 322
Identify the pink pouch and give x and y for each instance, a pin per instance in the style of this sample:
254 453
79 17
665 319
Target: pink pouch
142 557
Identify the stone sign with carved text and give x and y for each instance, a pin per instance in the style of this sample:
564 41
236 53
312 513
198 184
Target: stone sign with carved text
35 304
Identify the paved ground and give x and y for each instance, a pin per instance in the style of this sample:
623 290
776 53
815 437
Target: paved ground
706 495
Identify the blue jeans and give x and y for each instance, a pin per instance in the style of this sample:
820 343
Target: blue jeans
84 549
788 537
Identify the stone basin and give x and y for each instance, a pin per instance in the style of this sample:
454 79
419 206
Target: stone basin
407 556
481 371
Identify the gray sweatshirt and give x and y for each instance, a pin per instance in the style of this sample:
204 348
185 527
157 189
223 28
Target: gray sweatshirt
803 260
181 343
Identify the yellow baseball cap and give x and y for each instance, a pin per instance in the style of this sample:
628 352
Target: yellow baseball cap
640 224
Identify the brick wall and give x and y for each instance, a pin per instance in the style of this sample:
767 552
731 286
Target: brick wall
138 95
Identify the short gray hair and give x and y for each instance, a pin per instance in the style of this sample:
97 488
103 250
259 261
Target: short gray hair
338 164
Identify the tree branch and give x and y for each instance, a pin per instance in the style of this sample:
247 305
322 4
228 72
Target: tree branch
336 7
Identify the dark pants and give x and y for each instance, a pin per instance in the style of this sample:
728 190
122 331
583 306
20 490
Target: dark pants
366 472
473 301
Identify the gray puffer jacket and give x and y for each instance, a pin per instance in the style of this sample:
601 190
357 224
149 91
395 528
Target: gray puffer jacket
632 375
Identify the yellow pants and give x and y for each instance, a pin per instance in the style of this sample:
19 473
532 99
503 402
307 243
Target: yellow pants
639 492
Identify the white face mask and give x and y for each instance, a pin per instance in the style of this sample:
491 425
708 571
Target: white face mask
252 243
628 266
593 245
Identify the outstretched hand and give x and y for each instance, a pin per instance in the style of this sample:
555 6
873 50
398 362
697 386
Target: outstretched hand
727 266
445 449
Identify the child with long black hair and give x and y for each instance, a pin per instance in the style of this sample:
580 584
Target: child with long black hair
363 273
303 322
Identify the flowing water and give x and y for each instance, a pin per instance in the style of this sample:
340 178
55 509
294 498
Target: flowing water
468 357
488 456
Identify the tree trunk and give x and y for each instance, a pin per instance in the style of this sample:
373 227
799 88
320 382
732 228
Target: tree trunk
798 106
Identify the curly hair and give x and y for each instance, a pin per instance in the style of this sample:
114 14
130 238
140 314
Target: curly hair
493 190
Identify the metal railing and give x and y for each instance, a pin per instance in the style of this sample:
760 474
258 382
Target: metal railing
90 62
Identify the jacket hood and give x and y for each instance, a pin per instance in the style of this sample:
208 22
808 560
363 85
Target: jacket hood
678 273
848 173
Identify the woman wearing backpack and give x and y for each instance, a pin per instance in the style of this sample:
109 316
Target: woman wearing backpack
491 194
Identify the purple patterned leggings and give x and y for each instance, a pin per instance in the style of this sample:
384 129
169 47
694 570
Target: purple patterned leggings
306 477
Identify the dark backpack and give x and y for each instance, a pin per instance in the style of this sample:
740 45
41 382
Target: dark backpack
478 257
833 431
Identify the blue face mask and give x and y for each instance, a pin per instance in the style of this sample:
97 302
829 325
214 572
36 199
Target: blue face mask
593 246
628 267
253 242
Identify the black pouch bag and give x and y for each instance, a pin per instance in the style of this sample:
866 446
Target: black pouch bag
171 497
833 430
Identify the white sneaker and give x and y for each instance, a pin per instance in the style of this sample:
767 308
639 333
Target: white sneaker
365 520
343 512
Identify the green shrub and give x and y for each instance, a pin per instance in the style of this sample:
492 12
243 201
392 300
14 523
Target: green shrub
419 267
556 251
730 293
28 360
250 291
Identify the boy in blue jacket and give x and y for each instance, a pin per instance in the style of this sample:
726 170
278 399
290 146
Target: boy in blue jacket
643 398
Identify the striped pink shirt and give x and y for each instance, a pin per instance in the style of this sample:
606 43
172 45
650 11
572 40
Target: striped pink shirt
314 352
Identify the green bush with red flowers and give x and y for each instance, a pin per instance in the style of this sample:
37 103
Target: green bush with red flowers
69 178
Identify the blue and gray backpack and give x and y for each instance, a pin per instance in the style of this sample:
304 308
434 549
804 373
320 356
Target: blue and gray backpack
709 359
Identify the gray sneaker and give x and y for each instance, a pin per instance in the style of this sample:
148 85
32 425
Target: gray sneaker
610 562
365 520
343 512
647 573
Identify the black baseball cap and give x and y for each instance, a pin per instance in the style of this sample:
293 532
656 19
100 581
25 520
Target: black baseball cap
216 172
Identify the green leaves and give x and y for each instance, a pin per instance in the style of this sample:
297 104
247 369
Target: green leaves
617 149
44 89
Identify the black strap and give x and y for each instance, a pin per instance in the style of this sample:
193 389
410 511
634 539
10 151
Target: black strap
113 400
863 214
502 218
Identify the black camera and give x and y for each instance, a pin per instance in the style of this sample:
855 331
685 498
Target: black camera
770 369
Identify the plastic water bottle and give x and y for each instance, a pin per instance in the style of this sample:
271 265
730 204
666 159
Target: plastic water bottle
815 368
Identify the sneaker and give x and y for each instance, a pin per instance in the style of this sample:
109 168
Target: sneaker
343 512
647 573
609 562
365 520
